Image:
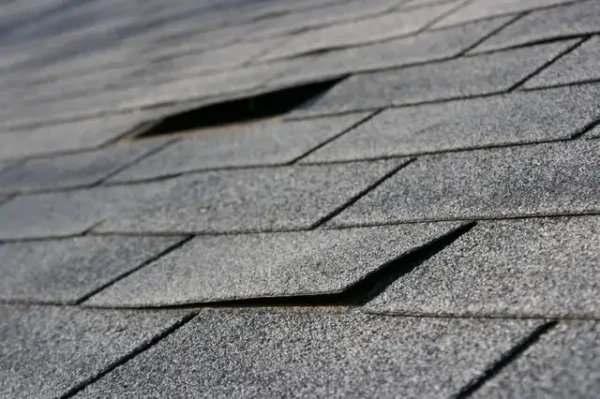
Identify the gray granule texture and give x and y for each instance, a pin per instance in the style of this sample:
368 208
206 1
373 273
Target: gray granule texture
47 351
374 29
72 212
72 170
458 78
579 18
209 269
488 8
66 270
78 135
545 179
564 363
254 144
516 118
252 200
319 355
524 268
423 47
580 65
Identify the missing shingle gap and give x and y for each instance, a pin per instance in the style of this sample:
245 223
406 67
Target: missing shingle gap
138 350
505 360
256 108
357 294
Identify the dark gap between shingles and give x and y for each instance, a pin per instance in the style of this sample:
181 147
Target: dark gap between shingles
357 294
247 109
138 350
505 360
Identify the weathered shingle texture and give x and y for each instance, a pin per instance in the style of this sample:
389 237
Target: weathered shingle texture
426 226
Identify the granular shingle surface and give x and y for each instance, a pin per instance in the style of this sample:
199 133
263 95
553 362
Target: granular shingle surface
578 18
563 364
352 198
541 267
72 170
546 179
462 77
578 66
264 354
493 121
252 200
67 270
47 351
255 144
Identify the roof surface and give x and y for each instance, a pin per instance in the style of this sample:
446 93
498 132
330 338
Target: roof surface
421 220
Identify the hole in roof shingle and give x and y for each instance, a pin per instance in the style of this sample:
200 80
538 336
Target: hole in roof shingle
249 109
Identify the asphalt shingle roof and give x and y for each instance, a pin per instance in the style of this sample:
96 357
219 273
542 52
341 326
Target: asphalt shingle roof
425 225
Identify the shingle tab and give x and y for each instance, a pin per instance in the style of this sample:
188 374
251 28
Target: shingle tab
545 179
299 354
78 135
580 65
73 170
480 9
564 363
369 30
45 351
247 145
462 77
67 270
493 121
579 18
209 269
424 47
71 212
523 268
253 200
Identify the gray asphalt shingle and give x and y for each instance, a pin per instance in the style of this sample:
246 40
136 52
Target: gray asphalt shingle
579 18
78 135
517 118
462 77
209 269
246 145
424 47
73 170
377 28
252 200
480 9
299 354
67 270
545 179
580 65
71 212
45 351
564 363
524 268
